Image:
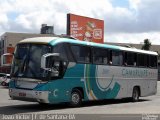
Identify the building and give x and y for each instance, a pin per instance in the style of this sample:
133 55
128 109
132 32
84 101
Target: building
8 42
47 29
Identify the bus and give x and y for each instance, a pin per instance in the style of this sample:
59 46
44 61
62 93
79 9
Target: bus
51 70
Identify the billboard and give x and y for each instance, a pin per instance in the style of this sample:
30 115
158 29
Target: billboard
85 28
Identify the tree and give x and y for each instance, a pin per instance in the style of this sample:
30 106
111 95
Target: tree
146 45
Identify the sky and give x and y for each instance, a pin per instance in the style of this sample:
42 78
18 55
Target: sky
126 21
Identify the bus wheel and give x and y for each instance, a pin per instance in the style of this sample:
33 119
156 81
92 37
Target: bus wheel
135 94
76 98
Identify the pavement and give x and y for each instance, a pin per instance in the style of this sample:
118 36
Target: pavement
147 108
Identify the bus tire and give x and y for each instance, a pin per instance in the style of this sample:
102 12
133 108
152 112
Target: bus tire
76 98
135 94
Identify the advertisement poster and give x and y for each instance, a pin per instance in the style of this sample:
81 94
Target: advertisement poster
85 28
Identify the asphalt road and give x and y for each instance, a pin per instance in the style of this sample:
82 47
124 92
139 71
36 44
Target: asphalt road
147 107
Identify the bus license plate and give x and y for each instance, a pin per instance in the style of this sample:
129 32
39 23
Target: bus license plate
22 94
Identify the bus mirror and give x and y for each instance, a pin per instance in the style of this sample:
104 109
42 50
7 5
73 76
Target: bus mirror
47 57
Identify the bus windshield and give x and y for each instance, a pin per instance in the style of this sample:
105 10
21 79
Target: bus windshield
27 61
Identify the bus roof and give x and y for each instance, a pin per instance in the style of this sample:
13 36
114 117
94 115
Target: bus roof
56 40
39 40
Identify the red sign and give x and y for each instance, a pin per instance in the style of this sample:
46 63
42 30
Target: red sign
84 28
22 94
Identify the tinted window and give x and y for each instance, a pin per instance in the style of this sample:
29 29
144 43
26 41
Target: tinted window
81 53
60 48
140 60
143 60
117 58
69 53
146 60
130 59
153 61
100 56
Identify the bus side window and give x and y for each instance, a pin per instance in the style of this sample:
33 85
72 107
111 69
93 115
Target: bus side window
142 60
117 58
153 61
81 53
130 59
135 59
110 57
125 58
69 53
61 49
100 56
146 60
105 60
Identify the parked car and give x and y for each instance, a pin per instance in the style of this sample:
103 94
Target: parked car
2 75
5 80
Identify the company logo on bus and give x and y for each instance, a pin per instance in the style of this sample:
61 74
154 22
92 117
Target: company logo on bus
101 81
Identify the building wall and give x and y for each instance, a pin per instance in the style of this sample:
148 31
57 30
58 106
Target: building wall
13 38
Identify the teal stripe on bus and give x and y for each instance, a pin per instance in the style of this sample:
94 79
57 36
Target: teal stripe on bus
78 42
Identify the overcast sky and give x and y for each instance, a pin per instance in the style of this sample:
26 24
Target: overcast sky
129 21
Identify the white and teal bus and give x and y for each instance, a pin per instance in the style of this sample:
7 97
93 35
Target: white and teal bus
54 70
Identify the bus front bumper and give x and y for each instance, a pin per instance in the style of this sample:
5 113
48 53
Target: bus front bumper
29 95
